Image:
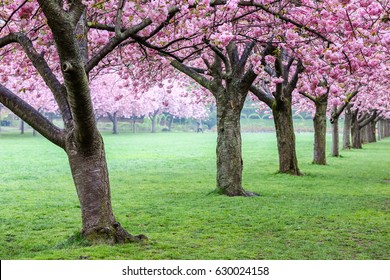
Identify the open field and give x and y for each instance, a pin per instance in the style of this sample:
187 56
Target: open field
162 187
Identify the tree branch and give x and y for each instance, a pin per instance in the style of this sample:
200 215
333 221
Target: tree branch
262 95
194 75
27 113
114 42
305 94
43 69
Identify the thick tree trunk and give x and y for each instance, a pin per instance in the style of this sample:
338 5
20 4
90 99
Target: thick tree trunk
319 122
285 137
372 132
355 131
347 130
229 154
379 127
364 135
90 175
335 137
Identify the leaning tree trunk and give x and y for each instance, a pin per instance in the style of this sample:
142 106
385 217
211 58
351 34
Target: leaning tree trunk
347 129
335 137
319 122
90 175
285 136
229 154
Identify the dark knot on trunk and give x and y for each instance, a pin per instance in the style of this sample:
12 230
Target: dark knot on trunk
67 67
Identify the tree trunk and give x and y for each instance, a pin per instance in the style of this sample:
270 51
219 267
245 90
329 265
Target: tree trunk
90 175
170 122
229 154
364 134
285 136
115 123
335 137
153 118
380 133
133 125
355 131
21 126
319 122
372 132
347 129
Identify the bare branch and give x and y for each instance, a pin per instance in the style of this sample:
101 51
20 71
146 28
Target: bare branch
194 75
27 113
262 95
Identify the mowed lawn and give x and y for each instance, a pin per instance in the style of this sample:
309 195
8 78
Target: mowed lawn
162 187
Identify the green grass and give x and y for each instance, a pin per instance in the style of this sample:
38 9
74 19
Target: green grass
162 187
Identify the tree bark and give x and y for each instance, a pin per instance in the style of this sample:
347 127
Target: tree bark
285 136
335 137
90 175
114 119
347 129
319 122
355 131
372 132
21 126
153 118
230 97
229 154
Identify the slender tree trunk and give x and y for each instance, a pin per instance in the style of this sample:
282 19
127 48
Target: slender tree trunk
153 118
347 129
114 119
21 126
285 136
170 122
134 127
90 175
115 123
319 122
335 137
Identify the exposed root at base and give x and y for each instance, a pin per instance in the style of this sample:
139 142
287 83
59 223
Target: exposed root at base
114 234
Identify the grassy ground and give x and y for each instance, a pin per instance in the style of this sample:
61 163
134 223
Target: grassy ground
161 186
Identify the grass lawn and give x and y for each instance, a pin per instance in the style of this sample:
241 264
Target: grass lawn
162 187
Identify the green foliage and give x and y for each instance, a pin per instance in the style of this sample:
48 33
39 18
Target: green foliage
162 186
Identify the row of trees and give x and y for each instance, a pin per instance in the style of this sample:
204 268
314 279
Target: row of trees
334 54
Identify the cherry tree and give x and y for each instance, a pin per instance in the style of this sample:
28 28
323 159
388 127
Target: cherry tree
50 40
231 47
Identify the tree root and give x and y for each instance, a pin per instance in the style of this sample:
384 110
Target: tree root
114 234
